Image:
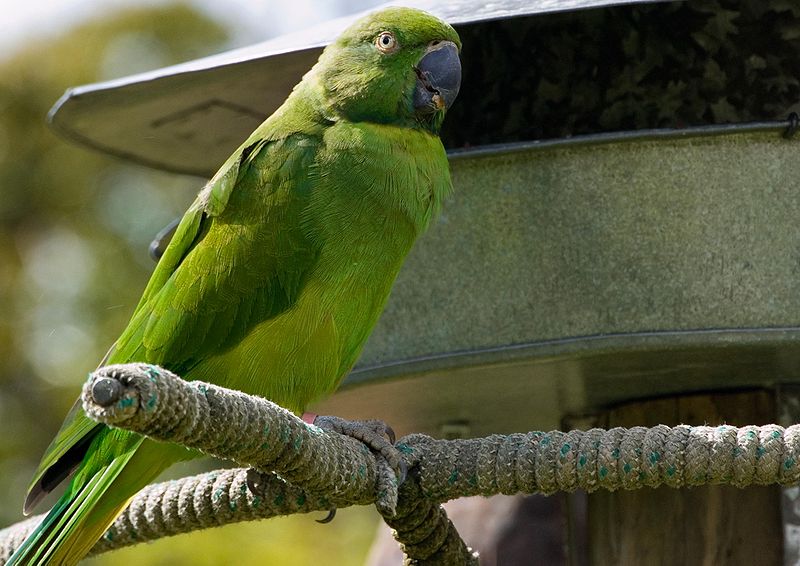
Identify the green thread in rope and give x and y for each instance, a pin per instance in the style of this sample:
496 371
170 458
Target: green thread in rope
453 477
404 448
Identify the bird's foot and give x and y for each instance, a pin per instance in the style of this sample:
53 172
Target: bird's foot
376 435
380 438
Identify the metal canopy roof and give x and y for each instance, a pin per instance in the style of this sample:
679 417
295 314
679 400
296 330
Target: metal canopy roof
188 118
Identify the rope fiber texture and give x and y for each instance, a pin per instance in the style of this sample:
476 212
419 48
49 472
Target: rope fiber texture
303 468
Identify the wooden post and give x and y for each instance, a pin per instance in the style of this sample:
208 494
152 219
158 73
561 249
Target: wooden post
708 525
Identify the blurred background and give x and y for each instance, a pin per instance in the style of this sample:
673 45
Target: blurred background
74 232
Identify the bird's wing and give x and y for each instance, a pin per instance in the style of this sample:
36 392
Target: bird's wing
238 257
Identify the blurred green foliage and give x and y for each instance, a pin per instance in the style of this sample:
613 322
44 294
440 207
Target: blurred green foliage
74 231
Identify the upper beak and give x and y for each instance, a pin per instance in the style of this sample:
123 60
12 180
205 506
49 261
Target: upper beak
438 78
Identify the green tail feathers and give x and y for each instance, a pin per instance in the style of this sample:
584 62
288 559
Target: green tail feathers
78 519
28 552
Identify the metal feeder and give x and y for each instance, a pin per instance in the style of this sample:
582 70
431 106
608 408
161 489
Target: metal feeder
624 222
566 274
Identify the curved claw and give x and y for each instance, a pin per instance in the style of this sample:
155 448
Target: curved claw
389 432
328 518
254 482
403 472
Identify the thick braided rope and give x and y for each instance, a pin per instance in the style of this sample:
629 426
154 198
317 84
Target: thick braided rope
425 533
193 503
203 501
231 425
248 430
539 462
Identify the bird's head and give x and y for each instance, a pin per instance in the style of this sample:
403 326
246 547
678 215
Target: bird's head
396 66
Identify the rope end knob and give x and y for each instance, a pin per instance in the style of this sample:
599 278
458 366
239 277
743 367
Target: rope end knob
106 391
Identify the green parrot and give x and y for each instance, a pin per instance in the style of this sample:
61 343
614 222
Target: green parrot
280 268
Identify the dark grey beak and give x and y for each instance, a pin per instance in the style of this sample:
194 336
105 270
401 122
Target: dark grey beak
438 78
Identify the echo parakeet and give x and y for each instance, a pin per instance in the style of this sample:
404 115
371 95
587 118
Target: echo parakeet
280 268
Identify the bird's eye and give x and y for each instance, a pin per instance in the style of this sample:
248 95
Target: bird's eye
386 42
